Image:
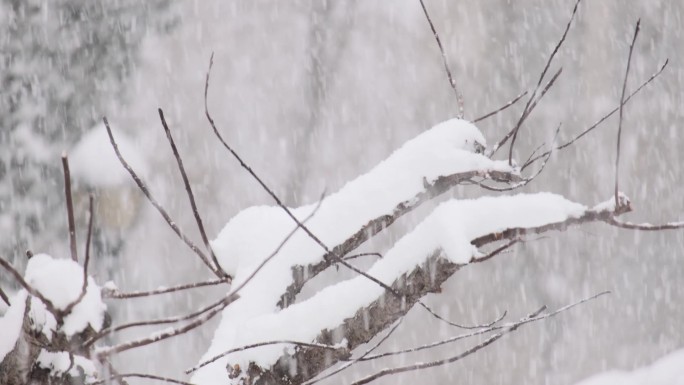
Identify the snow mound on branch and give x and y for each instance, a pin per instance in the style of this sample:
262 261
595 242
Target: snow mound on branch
94 161
10 324
254 234
61 281
668 370
448 148
449 228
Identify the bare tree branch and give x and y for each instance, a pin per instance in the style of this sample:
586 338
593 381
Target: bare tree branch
532 102
137 294
259 344
622 104
452 81
191 197
70 208
138 375
143 187
114 329
486 331
105 352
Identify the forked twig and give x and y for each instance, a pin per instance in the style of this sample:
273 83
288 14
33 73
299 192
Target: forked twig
602 119
622 104
143 187
70 207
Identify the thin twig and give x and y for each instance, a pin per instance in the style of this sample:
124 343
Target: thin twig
354 256
111 330
530 106
137 294
604 118
505 106
496 251
279 203
105 352
191 196
645 226
622 104
523 321
143 187
452 81
138 375
449 360
439 317
70 208
256 345
84 287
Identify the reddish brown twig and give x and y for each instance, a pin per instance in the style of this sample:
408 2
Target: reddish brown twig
505 106
191 196
622 104
452 81
143 187
70 208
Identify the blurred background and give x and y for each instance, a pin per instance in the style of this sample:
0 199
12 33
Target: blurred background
314 93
